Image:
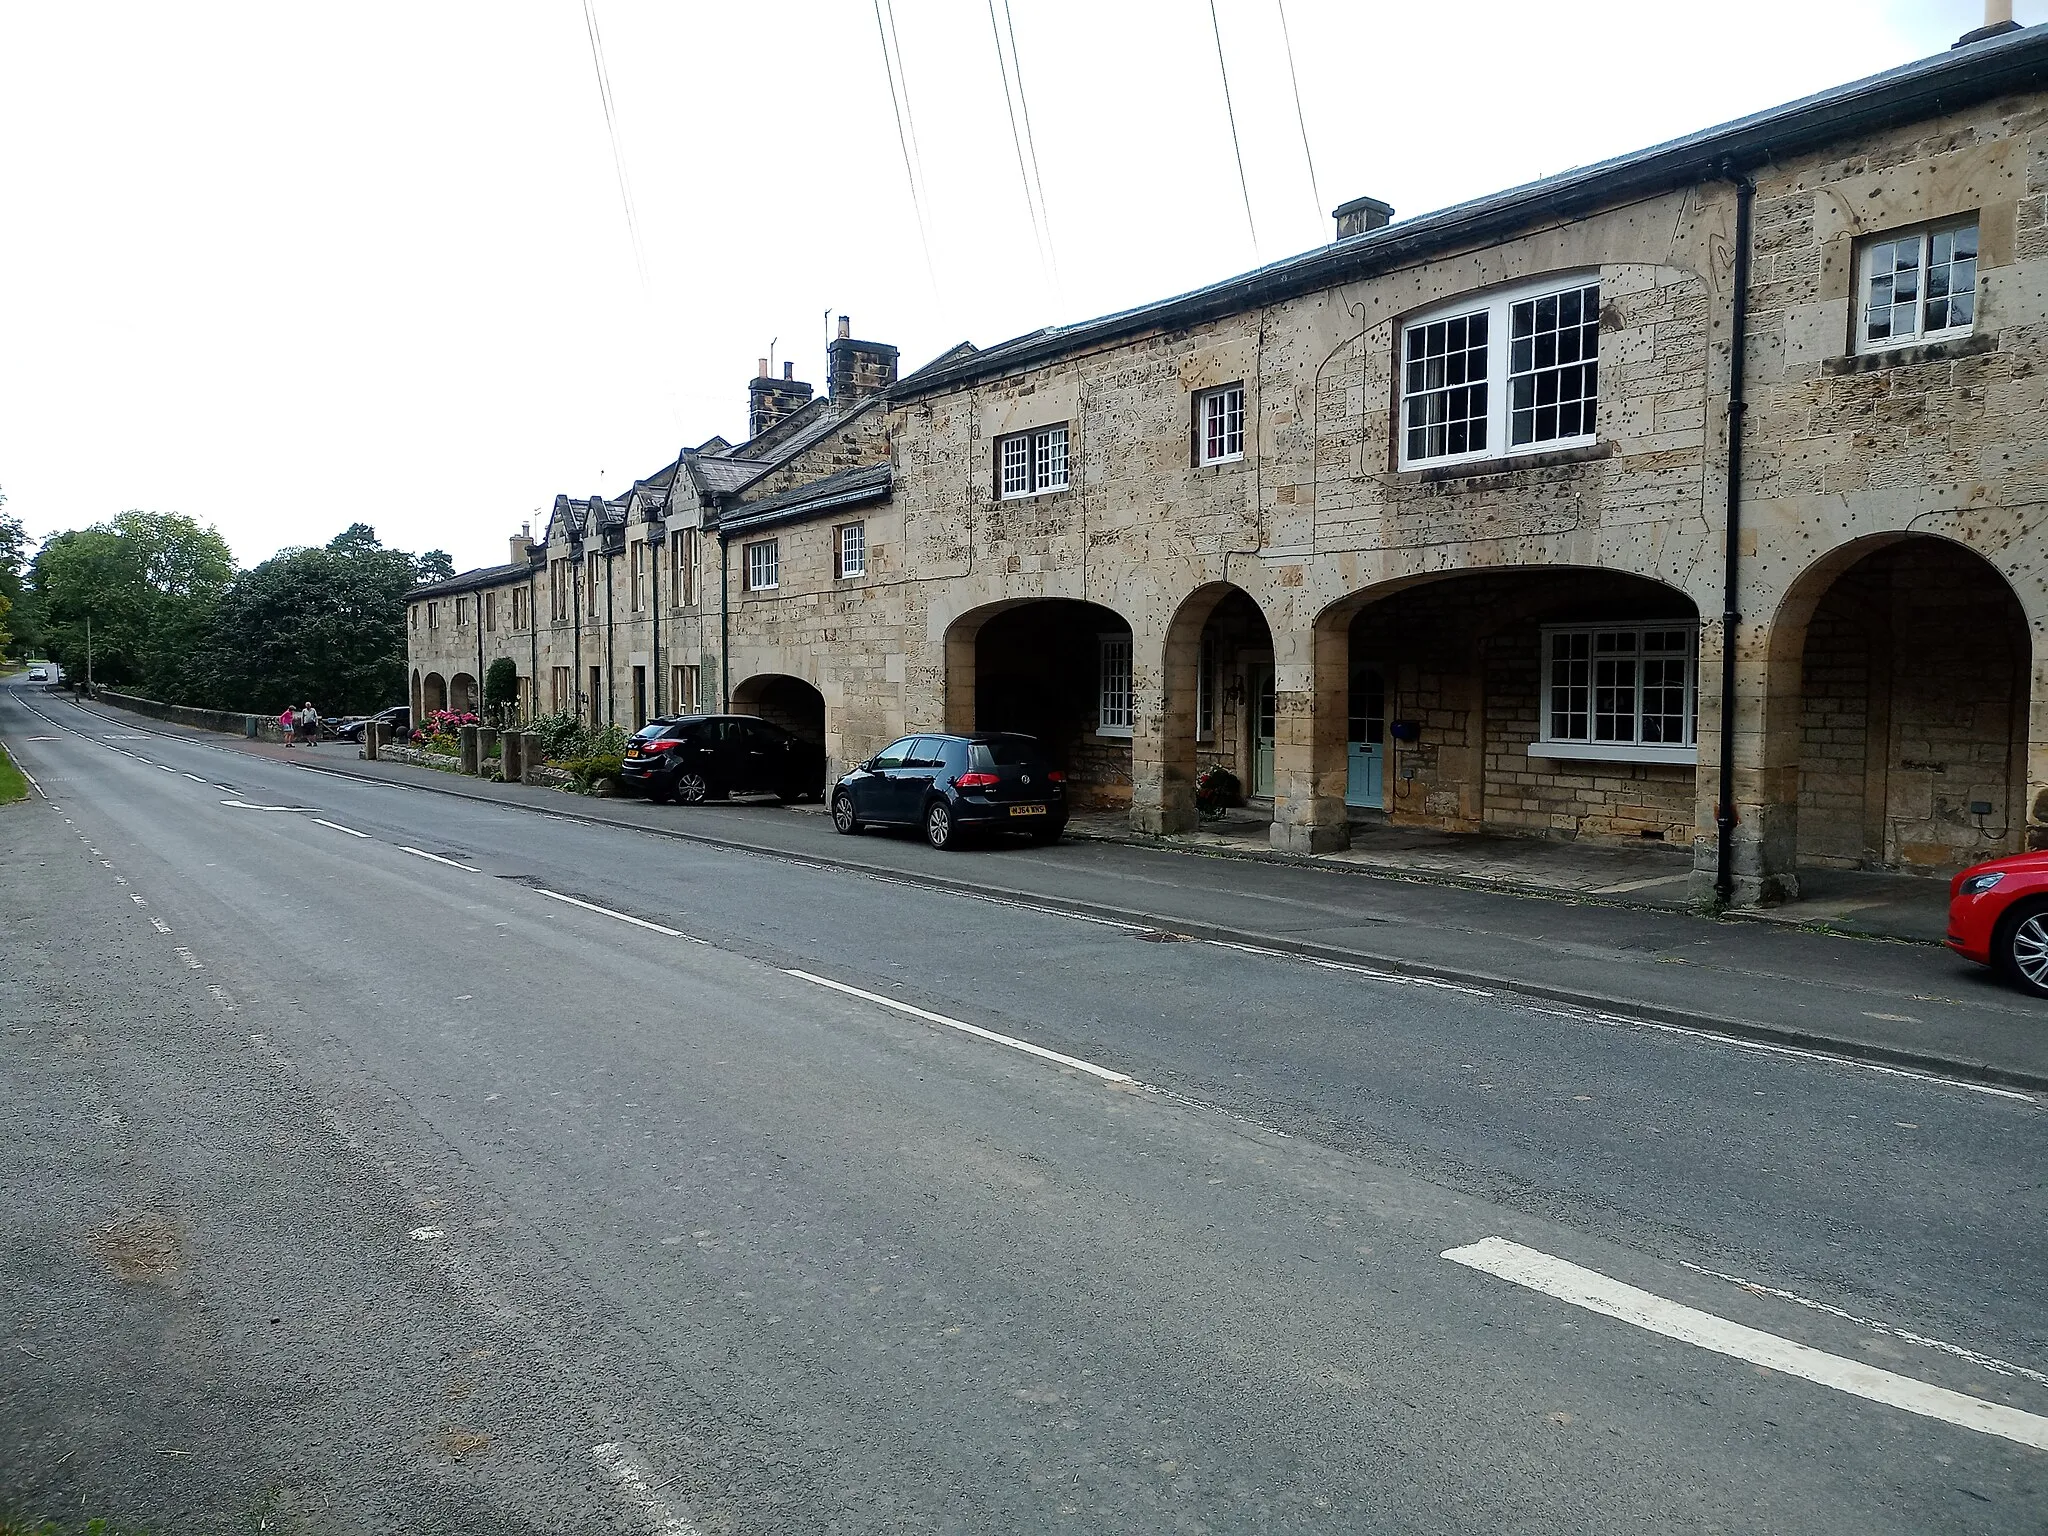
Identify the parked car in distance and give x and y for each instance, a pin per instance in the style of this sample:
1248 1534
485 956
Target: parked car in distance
1998 916
39 675
396 720
950 785
693 758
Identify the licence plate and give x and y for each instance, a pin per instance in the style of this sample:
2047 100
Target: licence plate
632 751
1027 810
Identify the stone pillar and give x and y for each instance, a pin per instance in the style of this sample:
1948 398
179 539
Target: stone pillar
513 763
1769 701
531 756
2036 837
373 739
1162 747
486 739
1311 704
467 734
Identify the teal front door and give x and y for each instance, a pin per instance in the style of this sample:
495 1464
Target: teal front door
1262 737
1365 755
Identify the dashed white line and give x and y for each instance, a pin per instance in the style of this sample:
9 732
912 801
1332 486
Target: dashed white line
625 1470
591 906
195 778
160 925
1105 1073
421 853
1597 1293
337 826
189 958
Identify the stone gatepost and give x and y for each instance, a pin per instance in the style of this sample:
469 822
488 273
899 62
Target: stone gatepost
468 736
373 734
486 739
512 765
531 756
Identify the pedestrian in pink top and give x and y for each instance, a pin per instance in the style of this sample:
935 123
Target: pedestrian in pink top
284 723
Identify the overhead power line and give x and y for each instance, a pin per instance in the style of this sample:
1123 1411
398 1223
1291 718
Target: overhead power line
611 125
1295 80
1031 143
890 68
1017 142
1230 112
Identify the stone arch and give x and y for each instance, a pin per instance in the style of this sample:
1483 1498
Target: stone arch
433 693
1047 667
1431 706
1217 663
788 701
463 696
1899 674
416 702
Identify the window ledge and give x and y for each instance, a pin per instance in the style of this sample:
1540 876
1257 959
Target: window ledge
1057 490
1495 469
1114 732
1899 357
1615 752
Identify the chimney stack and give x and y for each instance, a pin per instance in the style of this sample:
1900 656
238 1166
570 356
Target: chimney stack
1997 20
522 545
769 399
1361 215
858 368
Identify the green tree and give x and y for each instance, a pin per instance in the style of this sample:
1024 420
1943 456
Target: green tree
320 624
146 582
501 690
14 558
435 565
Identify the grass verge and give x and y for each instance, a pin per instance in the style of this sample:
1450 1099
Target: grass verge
12 787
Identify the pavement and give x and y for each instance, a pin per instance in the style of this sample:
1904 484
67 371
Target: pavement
1784 983
385 1160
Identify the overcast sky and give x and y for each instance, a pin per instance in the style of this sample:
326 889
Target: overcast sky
282 267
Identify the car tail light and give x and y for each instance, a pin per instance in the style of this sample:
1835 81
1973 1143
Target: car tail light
977 781
659 746
1056 777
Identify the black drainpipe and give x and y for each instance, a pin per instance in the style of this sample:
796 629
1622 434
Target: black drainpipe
576 584
724 626
611 681
1731 574
532 642
654 553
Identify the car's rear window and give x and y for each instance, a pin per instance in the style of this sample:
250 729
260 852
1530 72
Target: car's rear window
650 732
1007 754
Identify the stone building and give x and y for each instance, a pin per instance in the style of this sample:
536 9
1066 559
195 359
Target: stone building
1430 525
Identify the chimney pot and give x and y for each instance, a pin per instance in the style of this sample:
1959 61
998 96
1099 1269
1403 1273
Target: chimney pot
789 370
845 328
1360 215
761 369
1997 21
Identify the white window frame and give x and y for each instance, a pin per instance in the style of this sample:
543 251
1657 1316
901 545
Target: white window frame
1114 705
1924 238
849 550
1219 425
1587 748
1498 307
1034 463
636 575
763 565
682 545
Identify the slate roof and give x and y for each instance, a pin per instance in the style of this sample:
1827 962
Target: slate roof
2013 61
848 488
470 581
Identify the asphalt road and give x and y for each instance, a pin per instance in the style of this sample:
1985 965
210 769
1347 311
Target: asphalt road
385 1161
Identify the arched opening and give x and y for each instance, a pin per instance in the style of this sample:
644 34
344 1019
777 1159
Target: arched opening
1555 702
1909 720
1056 669
1219 705
787 701
417 702
433 693
463 697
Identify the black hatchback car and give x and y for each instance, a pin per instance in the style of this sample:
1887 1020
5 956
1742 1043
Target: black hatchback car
949 785
707 757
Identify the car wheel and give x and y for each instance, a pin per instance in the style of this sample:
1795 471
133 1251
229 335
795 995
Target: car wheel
2021 947
844 817
691 787
939 830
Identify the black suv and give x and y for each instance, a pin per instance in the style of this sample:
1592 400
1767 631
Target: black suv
397 720
707 757
950 784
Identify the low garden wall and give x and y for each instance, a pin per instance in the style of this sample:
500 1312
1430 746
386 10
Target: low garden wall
228 722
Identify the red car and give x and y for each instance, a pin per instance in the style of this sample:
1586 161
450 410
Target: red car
1998 915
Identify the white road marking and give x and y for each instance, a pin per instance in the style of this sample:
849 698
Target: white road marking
1611 1298
627 1472
167 768
1990 1363
243 805
42 738
189 958
337 826
195 778
426 1234
137 900
160 925
421 853
1105 1073
1397 979
637 922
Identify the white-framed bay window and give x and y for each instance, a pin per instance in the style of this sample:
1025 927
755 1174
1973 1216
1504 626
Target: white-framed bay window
1513 371
764 565
1113 686
1219 425
1626 693
1032 463
1917 286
